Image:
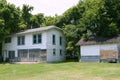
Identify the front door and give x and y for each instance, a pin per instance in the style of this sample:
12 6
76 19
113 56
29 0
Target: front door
11 55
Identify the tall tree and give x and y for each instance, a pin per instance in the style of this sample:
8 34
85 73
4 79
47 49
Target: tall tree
49 21
90 18
9 18
36 20
72 36
26 14
109 18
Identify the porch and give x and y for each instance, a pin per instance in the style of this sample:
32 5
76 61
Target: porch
28 55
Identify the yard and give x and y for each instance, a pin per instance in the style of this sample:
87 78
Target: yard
60 71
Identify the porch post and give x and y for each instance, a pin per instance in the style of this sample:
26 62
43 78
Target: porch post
28 55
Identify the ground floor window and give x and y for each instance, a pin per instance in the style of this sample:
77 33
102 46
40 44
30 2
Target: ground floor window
11 54
60 52
32 55
54 52
23 53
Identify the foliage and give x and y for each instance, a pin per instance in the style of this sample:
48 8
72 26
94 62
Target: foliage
91 17
26 15
49 21
9 18
37 20
71 16
70 32
13 19
109 20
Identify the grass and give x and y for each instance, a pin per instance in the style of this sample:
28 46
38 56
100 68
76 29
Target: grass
60 71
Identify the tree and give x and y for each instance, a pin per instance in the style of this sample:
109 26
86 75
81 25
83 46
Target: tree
90 16
26 14
49 21
109 18
72 36
36 20
98 17
71 16
9 18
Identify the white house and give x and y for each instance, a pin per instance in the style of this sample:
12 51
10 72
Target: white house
97 49
44 44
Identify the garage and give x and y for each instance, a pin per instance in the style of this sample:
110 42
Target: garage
97 49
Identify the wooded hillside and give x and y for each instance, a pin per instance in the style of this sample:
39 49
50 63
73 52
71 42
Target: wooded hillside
88 17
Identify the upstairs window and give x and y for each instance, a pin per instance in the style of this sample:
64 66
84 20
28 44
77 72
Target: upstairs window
8 40
34 39
21 40
53 40
60 40
37 38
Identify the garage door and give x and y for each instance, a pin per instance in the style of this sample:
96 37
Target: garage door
107 54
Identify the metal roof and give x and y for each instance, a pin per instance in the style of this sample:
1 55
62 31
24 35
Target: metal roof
40 29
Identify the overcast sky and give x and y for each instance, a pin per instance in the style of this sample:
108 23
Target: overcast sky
48 7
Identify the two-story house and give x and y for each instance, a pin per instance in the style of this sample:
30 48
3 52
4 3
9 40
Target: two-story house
44 44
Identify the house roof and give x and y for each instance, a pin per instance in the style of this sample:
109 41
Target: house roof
98 40
40 29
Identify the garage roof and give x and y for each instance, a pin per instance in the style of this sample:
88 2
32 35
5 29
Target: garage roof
98 40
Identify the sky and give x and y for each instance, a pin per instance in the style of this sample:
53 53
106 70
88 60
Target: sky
47 7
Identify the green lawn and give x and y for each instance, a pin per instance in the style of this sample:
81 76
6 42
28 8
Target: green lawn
60 71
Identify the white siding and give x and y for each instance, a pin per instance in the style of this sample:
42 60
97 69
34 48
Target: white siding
57 46
109 47
94 50
10 46
28 43
90 50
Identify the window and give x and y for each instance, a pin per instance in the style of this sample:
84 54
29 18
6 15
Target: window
37 38
60 40
34 39
54 52
21 40
8 40
60 52
23 54
53 40
11 54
